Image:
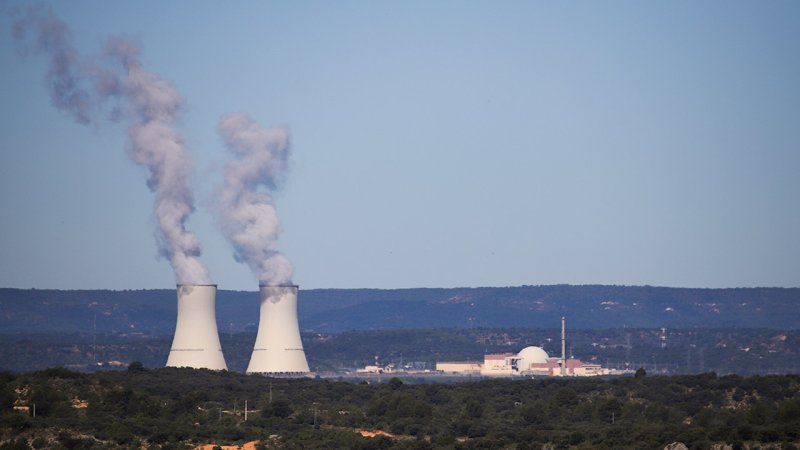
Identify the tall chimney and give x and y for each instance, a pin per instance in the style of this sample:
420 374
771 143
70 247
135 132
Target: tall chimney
196 342
278 347
563 348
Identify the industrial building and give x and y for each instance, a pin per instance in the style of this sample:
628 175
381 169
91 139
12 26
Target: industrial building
462 367
196 342
530 361
278 349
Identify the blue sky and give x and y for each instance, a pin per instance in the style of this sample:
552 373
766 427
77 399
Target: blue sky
435 144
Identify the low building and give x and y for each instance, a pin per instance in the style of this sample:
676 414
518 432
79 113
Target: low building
370 369
459 367
498 365
574 368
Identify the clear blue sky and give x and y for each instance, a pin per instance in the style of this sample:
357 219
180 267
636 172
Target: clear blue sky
435 143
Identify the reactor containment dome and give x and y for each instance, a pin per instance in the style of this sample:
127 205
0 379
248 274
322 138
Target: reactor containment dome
531 355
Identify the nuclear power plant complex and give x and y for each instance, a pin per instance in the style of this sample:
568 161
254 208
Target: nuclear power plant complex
530 361
278 349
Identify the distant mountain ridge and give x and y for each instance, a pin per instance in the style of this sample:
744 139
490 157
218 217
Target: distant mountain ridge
336 310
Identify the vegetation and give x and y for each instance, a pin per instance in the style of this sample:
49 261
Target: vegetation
338 310
177 408
740 351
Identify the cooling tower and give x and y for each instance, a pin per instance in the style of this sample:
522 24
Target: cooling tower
278 348
196 342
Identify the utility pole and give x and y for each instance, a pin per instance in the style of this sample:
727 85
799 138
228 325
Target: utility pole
627 346
689 360
94 341
245 410
702 363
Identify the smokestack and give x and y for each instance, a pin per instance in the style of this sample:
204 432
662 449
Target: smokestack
563 348
278 348
196 342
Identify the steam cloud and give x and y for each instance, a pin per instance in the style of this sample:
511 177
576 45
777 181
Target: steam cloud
66 78
246 212
149 105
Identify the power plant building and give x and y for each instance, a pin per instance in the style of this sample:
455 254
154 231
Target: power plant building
196 341
530 361
574 368
460 367
278 349
530 356
497 365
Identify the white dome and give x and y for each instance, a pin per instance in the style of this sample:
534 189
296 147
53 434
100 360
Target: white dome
531 355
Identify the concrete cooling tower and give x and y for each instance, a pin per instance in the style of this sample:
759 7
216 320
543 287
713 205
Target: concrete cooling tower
278 348
196 342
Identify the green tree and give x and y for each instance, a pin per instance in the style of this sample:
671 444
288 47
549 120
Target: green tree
474 408
395 383
17 444
789 411
136 367
280 408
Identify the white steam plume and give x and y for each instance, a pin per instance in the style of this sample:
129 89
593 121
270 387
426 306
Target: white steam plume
246 212
66 78
150 106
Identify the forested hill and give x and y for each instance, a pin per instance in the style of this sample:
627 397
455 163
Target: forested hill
334 310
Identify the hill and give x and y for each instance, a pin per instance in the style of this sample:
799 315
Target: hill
336 310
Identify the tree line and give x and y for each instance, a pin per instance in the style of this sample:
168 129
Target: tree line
179 408
683 351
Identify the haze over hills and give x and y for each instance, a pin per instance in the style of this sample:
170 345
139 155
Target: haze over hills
336 310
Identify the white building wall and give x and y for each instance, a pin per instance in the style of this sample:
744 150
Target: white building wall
497 365
458 367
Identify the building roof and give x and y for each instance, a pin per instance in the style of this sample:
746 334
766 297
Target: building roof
498 356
